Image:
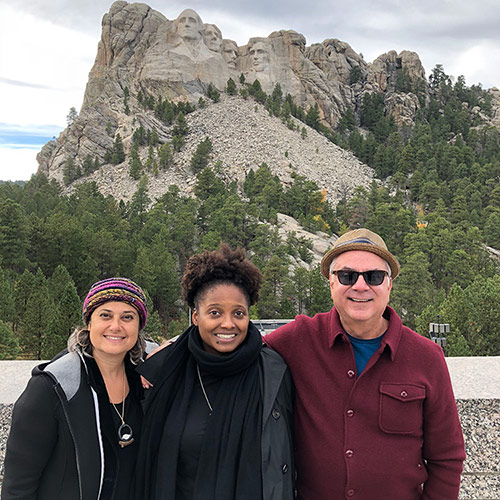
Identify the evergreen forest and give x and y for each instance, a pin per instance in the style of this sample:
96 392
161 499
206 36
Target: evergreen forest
436 204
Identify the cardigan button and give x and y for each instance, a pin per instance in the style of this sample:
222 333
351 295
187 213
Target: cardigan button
349 453
404 394
276 414
284 469
350 493
350 413
351 374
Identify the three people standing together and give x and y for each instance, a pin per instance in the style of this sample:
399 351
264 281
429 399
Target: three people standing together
371 408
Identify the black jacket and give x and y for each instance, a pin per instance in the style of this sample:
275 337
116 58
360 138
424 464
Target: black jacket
277 436
55 447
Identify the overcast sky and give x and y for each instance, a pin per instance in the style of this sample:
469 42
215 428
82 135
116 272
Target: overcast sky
47 48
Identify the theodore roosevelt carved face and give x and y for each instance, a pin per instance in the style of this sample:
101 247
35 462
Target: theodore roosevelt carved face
230 53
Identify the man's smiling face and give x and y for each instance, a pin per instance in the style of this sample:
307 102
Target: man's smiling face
360 304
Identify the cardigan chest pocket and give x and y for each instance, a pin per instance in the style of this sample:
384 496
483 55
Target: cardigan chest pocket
401 408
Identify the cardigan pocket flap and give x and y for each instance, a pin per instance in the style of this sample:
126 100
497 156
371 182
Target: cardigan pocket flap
401 408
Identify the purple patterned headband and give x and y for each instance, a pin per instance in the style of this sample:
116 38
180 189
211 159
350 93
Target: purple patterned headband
115 289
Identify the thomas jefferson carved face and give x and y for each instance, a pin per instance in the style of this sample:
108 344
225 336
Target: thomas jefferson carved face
213 37
189 25
259 56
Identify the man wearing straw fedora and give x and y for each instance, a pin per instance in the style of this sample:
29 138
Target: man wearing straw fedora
375 415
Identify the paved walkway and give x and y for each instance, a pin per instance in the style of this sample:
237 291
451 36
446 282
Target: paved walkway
472 378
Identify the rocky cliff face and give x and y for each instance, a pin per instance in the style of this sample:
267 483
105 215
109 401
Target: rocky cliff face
143 52
243 136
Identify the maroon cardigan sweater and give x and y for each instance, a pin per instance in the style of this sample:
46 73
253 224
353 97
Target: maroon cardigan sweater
391 433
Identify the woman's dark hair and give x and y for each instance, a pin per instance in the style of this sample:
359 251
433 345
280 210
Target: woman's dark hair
224 266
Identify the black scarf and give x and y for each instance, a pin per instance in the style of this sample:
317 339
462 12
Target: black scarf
230 461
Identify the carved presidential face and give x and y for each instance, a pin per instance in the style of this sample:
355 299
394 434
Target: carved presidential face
230 53
189 25
259 56
212 37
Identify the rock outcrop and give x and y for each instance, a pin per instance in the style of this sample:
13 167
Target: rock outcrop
243 136
141 52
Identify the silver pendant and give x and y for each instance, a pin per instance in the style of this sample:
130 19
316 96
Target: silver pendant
125 435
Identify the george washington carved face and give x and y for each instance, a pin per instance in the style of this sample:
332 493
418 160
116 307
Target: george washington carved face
189 25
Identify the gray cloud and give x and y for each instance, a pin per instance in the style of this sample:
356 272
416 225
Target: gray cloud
440 29
18 83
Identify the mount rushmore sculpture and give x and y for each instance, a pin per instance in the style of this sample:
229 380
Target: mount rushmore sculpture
141 52
141 49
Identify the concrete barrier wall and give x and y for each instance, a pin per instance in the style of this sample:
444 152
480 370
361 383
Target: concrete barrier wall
476 383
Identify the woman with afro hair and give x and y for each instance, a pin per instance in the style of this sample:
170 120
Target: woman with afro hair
218 417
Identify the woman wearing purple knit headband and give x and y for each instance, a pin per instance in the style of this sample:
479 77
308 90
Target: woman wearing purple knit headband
75 428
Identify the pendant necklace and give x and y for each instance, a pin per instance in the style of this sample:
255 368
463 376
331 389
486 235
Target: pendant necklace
203 389
125 433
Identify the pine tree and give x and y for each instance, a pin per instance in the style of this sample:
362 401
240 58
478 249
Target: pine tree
14 235
312 117
9 347
201 156
7 305
37 318
88 165
72 116
65 318
69 171
231 87
135 164
213 93
118 154
165 156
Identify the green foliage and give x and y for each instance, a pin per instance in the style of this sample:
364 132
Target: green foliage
135 164
7 305
72 116
255 90
312 117
9 347
118 154
165 156
213 93
231 87
403 81
474 315
71 171
355 75
201 156
65 315
36 318
443 173
179 132
14 235
407 298
347 121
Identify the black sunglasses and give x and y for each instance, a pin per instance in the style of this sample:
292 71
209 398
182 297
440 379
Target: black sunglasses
372 278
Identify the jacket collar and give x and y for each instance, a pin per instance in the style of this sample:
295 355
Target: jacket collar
391 338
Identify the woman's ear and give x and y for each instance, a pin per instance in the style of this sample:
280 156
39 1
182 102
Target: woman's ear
195 317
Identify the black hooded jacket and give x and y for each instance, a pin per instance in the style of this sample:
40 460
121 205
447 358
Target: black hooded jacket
55 449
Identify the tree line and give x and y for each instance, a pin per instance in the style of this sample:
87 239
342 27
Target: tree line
437 206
